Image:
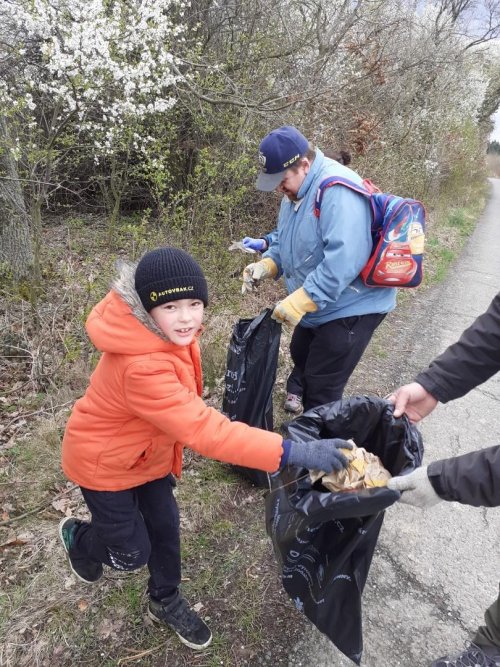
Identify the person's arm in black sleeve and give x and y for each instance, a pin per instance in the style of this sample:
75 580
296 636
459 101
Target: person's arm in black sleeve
469 362
470 479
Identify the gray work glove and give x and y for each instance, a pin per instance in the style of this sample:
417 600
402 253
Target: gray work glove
319 454
415 488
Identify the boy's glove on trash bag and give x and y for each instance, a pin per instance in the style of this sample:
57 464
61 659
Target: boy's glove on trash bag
292 309
415 488
257 271
319 454
255 244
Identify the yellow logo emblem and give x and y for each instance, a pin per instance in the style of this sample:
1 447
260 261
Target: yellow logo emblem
153 296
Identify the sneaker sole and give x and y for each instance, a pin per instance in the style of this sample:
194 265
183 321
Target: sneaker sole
78 576
196 647
293 412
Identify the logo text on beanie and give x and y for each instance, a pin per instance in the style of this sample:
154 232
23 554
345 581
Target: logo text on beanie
154 296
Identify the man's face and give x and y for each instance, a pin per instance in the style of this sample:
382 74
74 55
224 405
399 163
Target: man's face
294 177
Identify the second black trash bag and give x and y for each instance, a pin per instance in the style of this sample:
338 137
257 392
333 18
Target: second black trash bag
324 541
252 362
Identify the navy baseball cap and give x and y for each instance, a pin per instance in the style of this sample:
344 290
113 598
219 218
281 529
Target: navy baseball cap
279 151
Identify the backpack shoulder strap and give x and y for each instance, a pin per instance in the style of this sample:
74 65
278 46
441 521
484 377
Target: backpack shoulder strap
329 181
370 186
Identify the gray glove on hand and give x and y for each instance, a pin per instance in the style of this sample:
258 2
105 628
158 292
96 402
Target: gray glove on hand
319 454
416 489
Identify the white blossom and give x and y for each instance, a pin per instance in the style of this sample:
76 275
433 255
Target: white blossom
108 62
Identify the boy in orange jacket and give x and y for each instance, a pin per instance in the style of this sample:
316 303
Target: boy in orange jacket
124 439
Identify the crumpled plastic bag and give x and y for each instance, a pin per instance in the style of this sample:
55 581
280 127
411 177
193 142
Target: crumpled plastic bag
238 245
365 471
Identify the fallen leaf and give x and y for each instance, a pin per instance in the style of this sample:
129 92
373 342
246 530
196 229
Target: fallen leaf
109 627
61 505
82 605
25 535
69 582
12 543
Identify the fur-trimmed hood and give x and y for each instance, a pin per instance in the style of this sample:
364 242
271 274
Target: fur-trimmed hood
124 285
120 324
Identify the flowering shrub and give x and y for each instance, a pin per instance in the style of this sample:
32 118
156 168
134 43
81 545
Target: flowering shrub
104 63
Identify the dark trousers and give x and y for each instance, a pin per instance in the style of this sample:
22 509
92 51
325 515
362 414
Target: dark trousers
327 355
133 528
489 634
294 382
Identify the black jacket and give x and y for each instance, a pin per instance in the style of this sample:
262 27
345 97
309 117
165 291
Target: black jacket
472 479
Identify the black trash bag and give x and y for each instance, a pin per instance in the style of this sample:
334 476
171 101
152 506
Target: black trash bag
325 541
252 362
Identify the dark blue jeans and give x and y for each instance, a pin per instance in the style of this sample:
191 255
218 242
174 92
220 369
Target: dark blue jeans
133 528
326 356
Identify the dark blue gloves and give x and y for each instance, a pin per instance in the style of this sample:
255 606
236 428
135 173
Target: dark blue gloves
316 455
255 244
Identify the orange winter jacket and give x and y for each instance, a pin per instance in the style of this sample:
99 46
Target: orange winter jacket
143 407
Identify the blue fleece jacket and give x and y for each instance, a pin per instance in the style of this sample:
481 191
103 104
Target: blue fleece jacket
326 255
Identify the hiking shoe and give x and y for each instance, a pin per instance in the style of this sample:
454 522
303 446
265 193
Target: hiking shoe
186 623
293 403
472 656
88 571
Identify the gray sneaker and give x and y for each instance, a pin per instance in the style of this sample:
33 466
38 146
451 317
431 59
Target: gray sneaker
472 656
293 403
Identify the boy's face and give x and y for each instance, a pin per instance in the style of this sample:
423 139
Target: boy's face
179 320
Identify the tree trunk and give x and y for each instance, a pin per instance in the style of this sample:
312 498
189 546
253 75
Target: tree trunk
16 251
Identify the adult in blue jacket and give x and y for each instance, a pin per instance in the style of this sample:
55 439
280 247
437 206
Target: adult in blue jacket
294 391
333 312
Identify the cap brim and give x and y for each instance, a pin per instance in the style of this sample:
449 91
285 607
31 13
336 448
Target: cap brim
269 182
